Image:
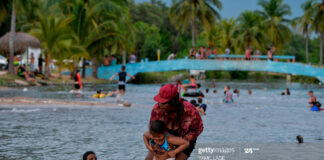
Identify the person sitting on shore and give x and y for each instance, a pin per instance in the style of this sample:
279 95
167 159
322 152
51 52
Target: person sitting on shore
161 143
89 155
23 74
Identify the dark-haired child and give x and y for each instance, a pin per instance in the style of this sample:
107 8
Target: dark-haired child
164 145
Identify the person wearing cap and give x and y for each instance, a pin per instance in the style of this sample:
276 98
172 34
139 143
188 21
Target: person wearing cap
181 118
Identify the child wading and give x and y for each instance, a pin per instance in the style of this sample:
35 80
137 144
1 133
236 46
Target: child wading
121 82
164 145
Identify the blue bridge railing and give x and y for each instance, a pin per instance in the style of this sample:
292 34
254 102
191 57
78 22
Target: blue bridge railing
225 65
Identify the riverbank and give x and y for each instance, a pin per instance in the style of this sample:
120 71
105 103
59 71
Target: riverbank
37 101
8 80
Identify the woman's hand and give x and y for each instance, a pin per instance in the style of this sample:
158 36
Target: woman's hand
172 154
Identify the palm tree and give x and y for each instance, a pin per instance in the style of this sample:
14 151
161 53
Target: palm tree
249 30
319 25
52 31
273 13
214 36
191 12
12 41
97 24
229 28
305 22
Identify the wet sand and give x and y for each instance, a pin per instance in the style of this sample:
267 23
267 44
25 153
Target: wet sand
36 101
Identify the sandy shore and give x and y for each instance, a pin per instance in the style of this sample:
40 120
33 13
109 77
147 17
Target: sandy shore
36 101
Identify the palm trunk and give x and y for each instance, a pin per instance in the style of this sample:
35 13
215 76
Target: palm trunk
60 69
94 68
321 49
307 39
12 39
47 65
83 68
193 36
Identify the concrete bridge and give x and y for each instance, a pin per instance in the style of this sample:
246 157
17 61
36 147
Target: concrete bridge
223 65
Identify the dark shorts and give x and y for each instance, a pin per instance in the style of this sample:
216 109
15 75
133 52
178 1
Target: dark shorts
121 87
76 86
191 147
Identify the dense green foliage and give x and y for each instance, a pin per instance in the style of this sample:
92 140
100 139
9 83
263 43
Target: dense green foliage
91 29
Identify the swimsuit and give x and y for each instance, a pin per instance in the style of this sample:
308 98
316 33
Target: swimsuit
122 80
164 146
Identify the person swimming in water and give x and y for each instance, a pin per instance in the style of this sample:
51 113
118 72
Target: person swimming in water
314 104
89 155
99 94
161 143
121 82
236 92
202 106
286 92
228 95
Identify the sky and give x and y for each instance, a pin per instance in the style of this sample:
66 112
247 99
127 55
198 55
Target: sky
232 8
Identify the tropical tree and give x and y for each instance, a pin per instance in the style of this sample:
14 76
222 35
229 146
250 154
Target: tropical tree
273 13
305 23
319 25
52 32
193 12
229 28
11 40
214 36
249 30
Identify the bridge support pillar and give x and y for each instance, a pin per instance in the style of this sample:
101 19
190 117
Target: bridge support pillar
289 77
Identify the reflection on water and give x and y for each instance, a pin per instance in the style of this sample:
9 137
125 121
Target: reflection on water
56 132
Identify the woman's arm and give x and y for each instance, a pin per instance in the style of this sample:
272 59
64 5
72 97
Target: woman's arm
177 141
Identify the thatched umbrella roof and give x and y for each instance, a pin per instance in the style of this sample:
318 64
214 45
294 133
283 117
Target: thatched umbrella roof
22 42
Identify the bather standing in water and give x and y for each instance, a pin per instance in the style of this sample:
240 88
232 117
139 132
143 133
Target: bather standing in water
181 118
121 82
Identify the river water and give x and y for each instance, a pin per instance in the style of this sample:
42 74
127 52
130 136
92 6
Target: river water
263 119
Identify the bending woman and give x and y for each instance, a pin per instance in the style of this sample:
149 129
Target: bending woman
181 118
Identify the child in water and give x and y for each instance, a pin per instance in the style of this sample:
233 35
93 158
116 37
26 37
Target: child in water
163 144
228 95
314 104
99 94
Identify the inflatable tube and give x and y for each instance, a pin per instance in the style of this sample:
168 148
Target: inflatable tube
98 95
190 87
191 94
315 109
